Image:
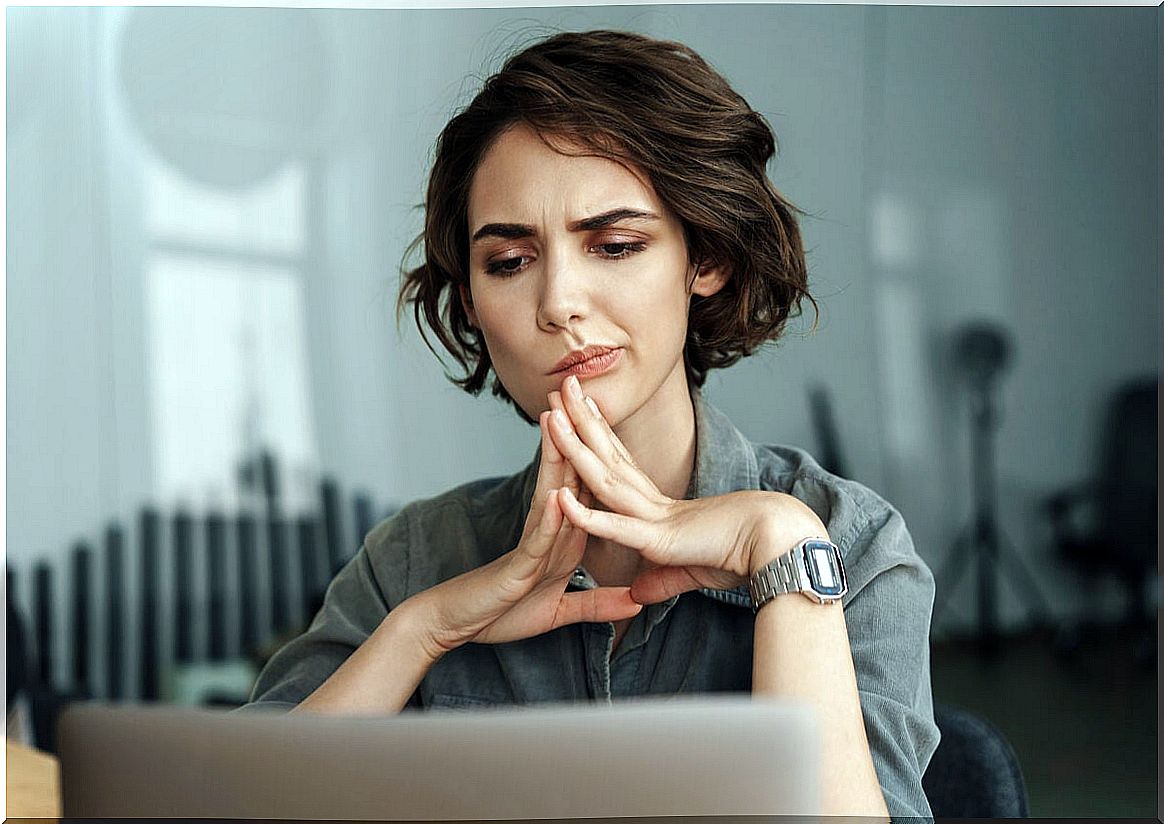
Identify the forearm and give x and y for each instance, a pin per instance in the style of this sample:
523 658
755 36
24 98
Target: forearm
382 674
801 652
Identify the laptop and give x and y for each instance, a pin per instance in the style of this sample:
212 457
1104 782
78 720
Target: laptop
678 756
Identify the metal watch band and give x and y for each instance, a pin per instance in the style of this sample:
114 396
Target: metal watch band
778 577
788 573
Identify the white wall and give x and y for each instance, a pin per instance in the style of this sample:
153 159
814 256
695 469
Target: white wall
955 163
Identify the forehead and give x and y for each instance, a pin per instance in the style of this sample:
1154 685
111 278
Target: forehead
521 178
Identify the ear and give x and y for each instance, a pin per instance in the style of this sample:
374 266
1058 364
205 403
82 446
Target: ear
709 278
467 304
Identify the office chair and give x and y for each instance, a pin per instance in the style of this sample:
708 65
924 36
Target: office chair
1120 536
974 773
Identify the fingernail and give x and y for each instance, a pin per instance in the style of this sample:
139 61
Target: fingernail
562 420
593 406
574 388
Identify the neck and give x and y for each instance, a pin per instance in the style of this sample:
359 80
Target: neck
660 435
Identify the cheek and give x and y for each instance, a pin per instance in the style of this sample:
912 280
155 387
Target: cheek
501 335
663 313
507 342
495 313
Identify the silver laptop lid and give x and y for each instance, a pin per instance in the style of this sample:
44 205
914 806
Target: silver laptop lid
649 757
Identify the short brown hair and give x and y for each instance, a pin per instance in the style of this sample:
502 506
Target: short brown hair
657 106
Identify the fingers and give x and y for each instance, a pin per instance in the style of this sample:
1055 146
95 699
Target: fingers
588 442
552 473
629 531
614 485
569 476
537 543
591 422
596 433
554 547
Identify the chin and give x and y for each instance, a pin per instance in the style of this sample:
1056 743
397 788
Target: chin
608 402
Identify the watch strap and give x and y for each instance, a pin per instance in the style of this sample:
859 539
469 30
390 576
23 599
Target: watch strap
789 573
778 577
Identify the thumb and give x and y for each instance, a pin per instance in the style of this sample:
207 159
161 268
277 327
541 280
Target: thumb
660 583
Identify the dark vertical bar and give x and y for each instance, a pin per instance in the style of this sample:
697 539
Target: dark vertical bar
149 537
277 553
276 545
270 477
825 424
364 516
114 612
335 547
82 602
43 609
17 679
248 631
216 585
183 538
311 565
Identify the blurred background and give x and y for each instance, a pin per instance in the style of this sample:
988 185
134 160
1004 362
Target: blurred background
209 402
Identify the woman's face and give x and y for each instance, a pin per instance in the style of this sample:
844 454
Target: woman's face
568 253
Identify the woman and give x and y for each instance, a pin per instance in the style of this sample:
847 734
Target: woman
599 233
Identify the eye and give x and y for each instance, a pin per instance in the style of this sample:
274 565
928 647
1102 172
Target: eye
615 251
506 267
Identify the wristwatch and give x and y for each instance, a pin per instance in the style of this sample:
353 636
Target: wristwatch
812 567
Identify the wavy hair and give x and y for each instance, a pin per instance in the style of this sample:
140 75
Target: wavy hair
656 106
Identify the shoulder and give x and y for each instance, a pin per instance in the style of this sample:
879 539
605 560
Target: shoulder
432 539
870 532
843 504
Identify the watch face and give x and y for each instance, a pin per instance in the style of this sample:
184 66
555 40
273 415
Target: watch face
825 571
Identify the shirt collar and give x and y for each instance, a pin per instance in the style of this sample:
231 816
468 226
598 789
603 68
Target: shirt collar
725 461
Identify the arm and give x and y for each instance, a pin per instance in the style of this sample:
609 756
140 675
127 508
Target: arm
801 651
380 676
888 609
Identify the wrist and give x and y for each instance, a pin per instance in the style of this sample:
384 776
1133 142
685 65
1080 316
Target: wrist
414 620
773 535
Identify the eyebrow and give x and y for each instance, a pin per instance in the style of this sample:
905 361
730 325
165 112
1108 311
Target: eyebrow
516 231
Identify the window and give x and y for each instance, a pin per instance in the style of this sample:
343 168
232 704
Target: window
226 325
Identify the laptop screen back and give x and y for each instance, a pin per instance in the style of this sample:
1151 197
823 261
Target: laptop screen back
673 757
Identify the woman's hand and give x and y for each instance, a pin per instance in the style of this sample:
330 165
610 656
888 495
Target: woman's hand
715 542
522 593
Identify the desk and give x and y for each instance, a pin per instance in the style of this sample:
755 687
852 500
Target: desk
33 783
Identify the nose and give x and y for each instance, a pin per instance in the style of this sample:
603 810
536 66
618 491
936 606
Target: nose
563 301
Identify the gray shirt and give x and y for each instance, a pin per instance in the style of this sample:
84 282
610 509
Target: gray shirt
698 642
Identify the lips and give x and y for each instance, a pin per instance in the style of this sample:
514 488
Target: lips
580 356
